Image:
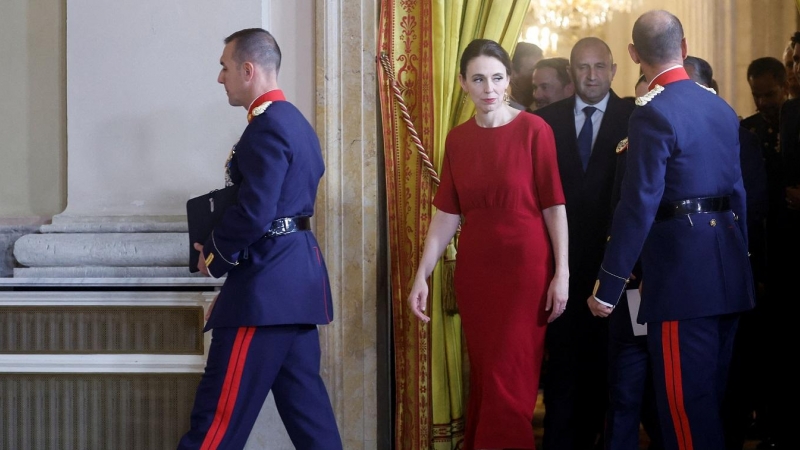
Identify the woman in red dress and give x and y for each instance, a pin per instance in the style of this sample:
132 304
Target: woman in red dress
500 175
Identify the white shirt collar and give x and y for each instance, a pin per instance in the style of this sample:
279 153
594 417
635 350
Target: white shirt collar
601 105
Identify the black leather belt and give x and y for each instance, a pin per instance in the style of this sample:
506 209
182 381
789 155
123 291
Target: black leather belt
286 225
693 206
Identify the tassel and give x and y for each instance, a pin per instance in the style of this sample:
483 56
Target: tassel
448 272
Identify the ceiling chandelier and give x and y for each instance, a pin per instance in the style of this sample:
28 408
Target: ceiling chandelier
577 14
552 18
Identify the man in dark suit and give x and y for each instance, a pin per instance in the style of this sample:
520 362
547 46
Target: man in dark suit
264 320
680 207
587 128
784 241
631 396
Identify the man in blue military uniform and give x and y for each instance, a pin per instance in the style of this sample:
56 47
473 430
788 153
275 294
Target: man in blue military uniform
681 202
264 320
746 377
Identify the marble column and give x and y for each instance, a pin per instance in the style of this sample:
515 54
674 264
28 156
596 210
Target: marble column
349 212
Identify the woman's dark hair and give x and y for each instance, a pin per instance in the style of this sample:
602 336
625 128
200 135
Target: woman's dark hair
484 47
703 73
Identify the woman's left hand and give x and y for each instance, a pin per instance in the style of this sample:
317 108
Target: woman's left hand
557 295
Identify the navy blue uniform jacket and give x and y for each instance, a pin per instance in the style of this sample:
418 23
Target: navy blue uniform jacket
683 144
277 165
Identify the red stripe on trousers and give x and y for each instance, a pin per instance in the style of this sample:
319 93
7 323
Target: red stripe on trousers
670 346
230 389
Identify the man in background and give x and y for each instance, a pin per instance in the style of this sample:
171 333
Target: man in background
587 128
770 88
551 81
788 62
631 394
526 55
784 238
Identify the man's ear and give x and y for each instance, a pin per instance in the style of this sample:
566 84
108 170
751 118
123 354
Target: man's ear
633 53
248 70
684 49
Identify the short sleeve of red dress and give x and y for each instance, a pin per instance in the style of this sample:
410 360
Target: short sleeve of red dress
546 177
446 198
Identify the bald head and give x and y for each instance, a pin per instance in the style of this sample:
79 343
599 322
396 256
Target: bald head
596 44
657 37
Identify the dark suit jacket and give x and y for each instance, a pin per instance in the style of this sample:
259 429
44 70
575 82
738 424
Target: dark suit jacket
281 280
754 177
588 195
683 144
790 141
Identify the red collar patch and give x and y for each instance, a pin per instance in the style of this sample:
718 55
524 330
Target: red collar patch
670 76
271 96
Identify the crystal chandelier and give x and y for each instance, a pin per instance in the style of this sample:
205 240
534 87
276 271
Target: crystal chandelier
577 14
552 19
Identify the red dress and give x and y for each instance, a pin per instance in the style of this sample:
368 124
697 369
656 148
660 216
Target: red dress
500 179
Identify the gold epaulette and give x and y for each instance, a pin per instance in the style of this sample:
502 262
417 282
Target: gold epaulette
258 110
709 89
622 146
643 100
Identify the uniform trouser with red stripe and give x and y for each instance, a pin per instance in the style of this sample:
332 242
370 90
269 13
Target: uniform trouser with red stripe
690 369
243 365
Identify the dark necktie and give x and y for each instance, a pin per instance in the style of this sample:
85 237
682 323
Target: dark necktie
585 137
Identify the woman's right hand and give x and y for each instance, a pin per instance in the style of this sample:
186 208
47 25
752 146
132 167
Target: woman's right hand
418 299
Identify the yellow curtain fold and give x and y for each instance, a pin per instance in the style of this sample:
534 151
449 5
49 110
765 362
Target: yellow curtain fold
419 45
405 90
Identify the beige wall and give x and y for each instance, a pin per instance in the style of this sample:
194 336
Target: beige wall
729 34
32 108
33 88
